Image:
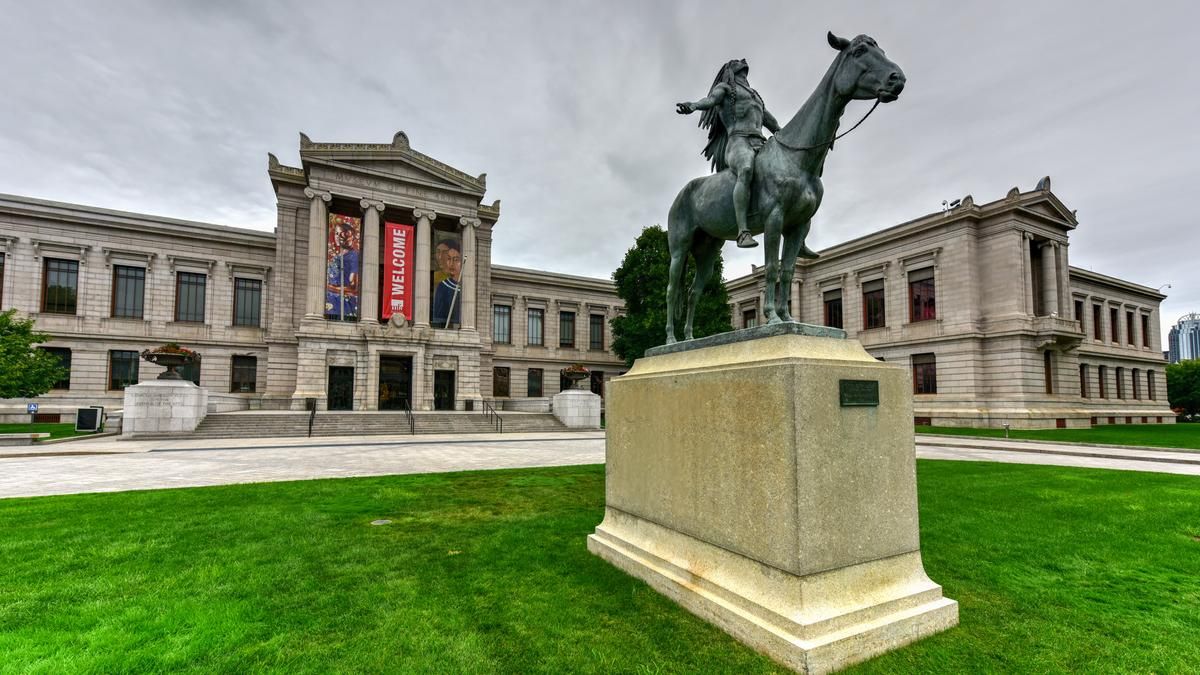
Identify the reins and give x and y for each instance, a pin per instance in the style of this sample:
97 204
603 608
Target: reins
830 141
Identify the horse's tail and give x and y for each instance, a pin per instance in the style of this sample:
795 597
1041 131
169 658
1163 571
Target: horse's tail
678 244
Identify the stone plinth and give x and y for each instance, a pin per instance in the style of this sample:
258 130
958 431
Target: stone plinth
740 487
577 409
163 407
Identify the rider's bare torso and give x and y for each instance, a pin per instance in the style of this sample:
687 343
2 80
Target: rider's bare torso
746 110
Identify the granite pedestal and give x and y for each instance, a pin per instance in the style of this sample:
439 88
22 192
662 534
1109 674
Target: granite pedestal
163 407
577 409
741 485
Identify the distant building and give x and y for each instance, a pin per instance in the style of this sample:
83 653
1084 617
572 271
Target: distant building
1184 339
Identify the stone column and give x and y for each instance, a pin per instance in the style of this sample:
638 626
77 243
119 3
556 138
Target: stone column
470 265
318 215
1050 277
425 218
1027 268
1064 281
369 302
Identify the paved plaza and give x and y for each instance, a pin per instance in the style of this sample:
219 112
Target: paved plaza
111 465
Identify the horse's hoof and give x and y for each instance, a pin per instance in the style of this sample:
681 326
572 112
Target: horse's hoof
774 319
670 340
688 337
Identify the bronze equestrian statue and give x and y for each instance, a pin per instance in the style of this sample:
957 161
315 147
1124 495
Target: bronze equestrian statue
784 176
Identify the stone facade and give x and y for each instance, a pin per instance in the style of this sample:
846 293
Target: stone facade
293 350
996 327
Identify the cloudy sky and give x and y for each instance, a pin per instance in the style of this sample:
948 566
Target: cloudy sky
171 107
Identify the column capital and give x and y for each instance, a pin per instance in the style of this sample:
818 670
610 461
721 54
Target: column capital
368 204
1027 235
313 194
420 213
467 221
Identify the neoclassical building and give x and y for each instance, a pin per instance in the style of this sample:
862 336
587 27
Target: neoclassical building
375 291
981 304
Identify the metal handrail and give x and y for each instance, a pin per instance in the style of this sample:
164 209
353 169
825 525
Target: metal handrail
312 415
489 411
412 422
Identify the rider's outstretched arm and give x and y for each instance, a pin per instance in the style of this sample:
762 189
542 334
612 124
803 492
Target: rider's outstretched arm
714 97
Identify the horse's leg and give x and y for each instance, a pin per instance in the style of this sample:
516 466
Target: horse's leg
771 235
793 239
704 250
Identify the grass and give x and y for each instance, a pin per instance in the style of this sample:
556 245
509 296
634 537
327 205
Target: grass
1056 569
54 429
1179 436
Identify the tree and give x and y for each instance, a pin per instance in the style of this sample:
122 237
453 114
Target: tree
1183 386
25 371
642 283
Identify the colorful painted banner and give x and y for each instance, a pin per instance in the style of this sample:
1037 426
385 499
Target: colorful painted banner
398 266
445 306
343 260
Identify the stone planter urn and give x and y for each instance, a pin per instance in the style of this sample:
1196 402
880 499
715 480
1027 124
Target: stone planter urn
576 377
169 360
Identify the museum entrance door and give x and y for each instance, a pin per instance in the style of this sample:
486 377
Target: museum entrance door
395 382
443 390
341 388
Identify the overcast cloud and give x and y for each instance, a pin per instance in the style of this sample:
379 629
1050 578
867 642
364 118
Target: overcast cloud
171 107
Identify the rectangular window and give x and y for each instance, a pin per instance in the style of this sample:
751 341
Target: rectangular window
129 292
499 381
60 286
122 369
1084 388
873 311
1136 378
190 372
1150 385
534 384
534 326
1097 324
247 303
1120 383
750 318
64 360
1079 312
1129 336
596 331
1048 370
1114 324
1145 330
189 296
244 375
502 324
833 308
566 329
924 367
1102 372
921 301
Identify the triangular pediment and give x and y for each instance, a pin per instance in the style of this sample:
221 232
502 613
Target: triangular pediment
395 161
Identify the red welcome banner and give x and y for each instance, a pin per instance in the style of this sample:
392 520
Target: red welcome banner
397 270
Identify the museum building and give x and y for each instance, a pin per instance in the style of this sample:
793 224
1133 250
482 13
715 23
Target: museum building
981 304
377 291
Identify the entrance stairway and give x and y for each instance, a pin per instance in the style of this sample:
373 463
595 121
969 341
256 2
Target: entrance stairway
267 424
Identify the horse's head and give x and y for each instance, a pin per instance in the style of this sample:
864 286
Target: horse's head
865 72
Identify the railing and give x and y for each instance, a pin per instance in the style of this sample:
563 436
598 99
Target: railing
312 415
490 412
412 422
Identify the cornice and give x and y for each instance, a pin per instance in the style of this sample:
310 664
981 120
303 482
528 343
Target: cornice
1078 273
521 274
78 214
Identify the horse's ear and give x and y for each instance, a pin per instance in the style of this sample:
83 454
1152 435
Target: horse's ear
837 42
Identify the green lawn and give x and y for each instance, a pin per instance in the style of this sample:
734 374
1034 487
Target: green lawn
1056 570
1182 436
55 430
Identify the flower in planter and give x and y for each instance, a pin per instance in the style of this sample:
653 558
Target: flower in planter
575 368
172 348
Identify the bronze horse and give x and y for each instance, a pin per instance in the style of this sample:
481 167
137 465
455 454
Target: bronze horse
787 186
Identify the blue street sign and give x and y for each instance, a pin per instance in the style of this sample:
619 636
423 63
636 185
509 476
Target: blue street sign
31 408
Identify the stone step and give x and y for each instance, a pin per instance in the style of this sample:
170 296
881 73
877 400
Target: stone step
263 425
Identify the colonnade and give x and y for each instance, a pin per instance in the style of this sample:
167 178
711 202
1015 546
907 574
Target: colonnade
369 299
